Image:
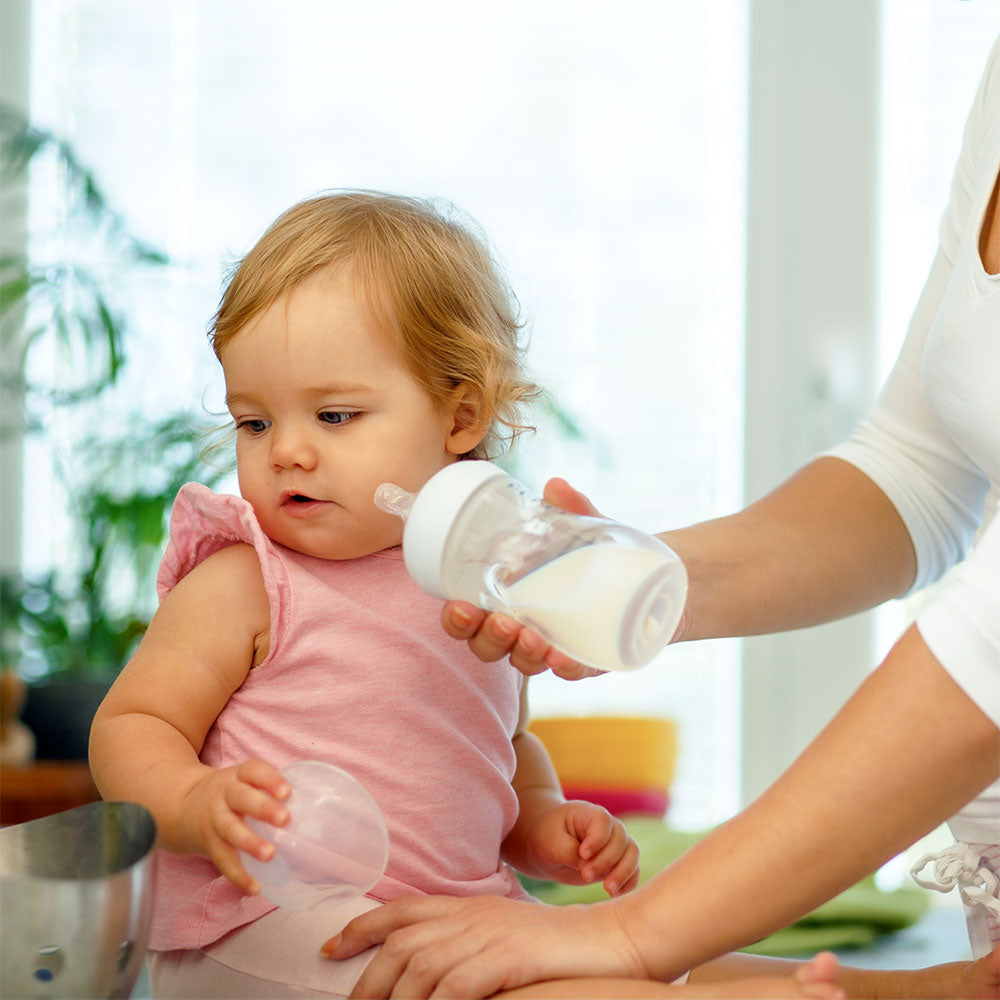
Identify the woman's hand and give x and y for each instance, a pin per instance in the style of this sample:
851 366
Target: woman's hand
444 946
578 843
213 812
494 636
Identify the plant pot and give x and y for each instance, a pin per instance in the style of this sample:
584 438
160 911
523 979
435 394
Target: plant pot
59 712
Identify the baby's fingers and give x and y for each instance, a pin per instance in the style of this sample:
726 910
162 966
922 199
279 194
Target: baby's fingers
250 799
227 860
232 835
260 774
234 832
624 877
618 876
615 863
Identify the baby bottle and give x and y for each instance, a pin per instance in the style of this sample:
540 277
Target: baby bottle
606 594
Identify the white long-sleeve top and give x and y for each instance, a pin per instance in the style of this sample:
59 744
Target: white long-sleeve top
931 441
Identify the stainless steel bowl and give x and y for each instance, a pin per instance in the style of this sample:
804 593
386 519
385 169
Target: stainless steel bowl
75 902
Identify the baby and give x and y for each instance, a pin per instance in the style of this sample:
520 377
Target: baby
366 338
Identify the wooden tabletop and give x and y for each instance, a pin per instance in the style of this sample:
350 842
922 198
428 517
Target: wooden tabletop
30 791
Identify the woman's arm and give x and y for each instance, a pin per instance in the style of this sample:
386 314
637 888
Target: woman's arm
787 561
908 749
792 559
906 752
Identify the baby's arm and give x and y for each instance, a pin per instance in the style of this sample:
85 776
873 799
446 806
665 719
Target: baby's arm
572 842
147 734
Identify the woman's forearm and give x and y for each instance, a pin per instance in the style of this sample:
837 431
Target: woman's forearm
825 544
907 751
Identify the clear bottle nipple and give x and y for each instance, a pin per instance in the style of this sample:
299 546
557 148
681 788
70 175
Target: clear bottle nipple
394 499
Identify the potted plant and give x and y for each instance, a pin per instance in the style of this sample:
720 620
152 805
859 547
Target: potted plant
70 627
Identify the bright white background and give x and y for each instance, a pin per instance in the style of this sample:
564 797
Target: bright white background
603 146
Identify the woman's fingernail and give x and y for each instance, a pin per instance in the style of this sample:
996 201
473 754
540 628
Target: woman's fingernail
531 645
330 947
503 629
460 617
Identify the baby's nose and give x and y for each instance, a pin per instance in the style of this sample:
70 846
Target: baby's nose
290 448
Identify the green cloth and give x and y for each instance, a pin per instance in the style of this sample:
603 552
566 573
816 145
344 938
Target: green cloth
854 919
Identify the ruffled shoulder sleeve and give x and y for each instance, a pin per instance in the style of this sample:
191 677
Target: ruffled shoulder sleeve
202 523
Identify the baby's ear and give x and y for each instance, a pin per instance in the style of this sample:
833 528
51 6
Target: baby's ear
469 420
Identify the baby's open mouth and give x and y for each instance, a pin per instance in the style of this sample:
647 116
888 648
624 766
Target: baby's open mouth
299 500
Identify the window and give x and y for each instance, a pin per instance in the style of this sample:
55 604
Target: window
559 127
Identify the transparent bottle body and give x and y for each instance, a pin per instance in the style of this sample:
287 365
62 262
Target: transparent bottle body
604 593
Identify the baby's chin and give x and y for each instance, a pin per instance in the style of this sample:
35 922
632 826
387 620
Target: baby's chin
356 547
335 534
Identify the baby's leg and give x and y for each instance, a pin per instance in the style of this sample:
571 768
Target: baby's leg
817 979
193 975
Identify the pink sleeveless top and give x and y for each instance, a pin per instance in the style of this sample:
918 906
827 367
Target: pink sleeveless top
359 674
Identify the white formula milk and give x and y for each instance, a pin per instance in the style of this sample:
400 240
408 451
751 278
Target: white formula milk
586 603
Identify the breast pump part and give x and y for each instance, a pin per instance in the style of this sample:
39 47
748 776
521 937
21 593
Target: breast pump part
334 847
604 593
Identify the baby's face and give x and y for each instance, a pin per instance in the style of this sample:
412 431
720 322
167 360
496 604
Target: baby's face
325 411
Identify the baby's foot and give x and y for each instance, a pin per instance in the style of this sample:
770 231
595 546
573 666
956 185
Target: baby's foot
818 979
981 978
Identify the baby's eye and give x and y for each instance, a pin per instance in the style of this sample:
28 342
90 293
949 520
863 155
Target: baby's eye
337 416
252 425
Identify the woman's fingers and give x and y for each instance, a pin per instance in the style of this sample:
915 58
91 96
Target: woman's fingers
472 947
491 637
559 493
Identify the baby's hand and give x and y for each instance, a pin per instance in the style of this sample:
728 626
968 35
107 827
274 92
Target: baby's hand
579 842
213 812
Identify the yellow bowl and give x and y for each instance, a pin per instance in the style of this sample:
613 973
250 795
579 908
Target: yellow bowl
610 751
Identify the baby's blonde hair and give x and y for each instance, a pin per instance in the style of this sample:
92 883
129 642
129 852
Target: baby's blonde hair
432 285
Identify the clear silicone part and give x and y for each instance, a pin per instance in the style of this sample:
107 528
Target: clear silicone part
394 499
334 847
